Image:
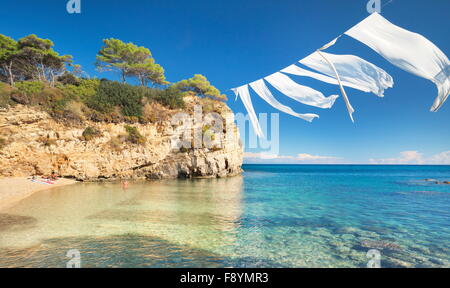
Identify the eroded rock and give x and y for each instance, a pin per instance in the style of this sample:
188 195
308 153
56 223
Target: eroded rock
37 145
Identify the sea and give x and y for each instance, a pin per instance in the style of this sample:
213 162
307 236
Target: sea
271 216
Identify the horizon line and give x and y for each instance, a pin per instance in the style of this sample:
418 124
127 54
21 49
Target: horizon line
342 164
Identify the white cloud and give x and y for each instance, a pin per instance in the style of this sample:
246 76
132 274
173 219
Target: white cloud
404 158
415 157
304 158
441 158
309 157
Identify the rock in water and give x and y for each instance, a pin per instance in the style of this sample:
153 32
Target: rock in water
380 245
37 144
8 222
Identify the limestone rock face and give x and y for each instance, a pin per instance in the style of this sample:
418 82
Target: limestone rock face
33 143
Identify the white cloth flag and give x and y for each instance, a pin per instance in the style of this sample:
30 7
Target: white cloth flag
353 71
261 89
300 93
245 97
344 94
295 70
407 50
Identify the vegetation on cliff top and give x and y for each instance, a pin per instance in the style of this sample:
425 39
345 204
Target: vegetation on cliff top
33 73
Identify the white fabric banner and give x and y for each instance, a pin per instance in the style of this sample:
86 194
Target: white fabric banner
295 70
261 89
407 50
344 94
245 97
353 71
300 93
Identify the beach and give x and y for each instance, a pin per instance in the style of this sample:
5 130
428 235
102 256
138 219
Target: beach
12 190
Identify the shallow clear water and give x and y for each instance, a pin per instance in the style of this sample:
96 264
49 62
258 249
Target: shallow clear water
274 216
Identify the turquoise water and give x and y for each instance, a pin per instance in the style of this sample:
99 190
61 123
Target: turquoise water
273 216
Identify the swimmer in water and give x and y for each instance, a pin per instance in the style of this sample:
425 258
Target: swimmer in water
125 184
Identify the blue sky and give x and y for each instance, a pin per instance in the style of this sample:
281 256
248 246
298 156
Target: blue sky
237 41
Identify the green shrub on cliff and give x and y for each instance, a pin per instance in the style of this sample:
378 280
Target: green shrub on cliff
68 79
52 98
100 101
112 93
26 92
63 108
170 97
134 136
5 98
90 133
86 89
30 87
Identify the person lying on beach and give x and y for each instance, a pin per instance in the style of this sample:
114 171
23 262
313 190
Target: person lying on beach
53 176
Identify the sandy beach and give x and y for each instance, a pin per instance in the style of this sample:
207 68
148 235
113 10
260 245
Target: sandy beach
12 190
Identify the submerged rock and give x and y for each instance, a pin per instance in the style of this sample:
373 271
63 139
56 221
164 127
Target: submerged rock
390 262
9 222
437 181
380 245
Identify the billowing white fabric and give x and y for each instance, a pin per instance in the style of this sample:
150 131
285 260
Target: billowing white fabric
338 78
300 93
407 50
353 71
295 70
245 97
261 89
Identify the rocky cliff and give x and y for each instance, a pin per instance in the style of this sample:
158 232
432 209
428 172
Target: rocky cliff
34 143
